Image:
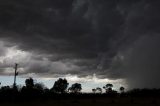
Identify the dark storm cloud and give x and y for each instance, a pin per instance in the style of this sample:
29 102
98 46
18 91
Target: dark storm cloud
82 36
140 63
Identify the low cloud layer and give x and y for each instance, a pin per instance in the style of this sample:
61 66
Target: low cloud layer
115 39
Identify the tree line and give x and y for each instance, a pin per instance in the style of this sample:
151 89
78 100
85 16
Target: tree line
60 86
61 89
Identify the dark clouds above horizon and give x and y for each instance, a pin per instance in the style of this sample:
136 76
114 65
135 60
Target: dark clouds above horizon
115 39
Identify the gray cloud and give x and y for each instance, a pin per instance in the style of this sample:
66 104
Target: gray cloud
3 49
83 37
141 62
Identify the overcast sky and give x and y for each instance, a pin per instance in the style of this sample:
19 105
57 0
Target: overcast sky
109 39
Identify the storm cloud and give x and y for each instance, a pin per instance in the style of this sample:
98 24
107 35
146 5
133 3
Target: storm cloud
115 39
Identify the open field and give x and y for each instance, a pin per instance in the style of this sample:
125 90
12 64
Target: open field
91 102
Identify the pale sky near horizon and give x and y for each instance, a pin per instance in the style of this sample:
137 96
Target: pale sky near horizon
87 84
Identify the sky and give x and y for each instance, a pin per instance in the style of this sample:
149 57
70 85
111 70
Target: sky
92 42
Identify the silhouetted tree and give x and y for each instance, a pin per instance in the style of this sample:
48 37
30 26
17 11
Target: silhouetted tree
29 83
94 90
39 86
75 88
122 89
60 86
99 90
108 87
5 90
28 90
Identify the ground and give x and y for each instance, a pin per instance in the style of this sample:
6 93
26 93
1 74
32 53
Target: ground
101 101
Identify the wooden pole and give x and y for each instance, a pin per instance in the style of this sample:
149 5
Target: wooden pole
15 74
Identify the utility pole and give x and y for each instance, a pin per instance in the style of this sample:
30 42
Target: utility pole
15 74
